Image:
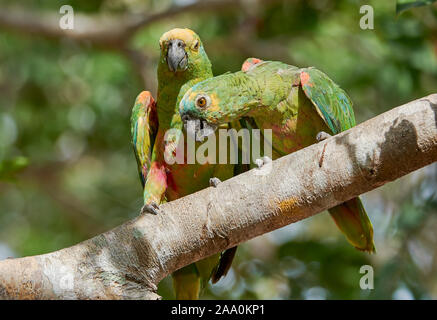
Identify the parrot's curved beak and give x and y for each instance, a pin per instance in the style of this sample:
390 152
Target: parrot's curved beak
177 58
197 128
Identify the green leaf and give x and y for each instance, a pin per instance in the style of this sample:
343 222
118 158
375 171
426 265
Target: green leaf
403 5
10 167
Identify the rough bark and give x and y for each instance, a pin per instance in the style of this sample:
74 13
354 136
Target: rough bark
128 261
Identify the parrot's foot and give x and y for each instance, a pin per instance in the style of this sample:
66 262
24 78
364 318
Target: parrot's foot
322 135
262 162
152 208
214 182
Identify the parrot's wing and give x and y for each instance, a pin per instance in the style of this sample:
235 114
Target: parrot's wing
335 107
144 126
331 102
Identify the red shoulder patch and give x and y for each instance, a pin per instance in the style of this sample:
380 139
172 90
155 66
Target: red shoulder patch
305 79
249 63
145 98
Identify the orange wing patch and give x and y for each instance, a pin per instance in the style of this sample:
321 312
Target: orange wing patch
145 98
305 79
249 63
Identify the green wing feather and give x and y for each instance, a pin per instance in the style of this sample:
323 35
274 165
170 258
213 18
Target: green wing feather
335 107
144 126
331 102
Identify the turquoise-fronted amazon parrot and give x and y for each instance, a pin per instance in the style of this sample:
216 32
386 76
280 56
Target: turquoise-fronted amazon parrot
300 105
183 63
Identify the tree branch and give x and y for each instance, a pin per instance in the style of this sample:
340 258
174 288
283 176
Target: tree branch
129 261
108 31
103 30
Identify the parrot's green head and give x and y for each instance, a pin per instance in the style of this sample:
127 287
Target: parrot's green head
182 56
216 101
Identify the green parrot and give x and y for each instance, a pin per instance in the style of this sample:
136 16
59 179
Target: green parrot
183 63
300 105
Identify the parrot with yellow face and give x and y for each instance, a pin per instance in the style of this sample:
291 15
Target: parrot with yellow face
183 63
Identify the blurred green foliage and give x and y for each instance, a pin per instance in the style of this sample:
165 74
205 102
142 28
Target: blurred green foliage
10 167
67 170
403 5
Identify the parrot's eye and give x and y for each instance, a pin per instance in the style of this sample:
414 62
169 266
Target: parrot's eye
196 45
201 102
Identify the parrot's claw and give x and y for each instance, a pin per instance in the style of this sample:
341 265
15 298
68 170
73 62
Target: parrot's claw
322 135
214 182
152 208
263 161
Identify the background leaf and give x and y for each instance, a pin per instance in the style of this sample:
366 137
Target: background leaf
403 5
9 168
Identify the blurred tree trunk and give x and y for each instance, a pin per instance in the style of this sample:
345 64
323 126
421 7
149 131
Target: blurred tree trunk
129 261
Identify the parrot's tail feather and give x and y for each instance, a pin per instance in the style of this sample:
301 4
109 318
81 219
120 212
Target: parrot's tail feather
186 283
351 218
225 264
